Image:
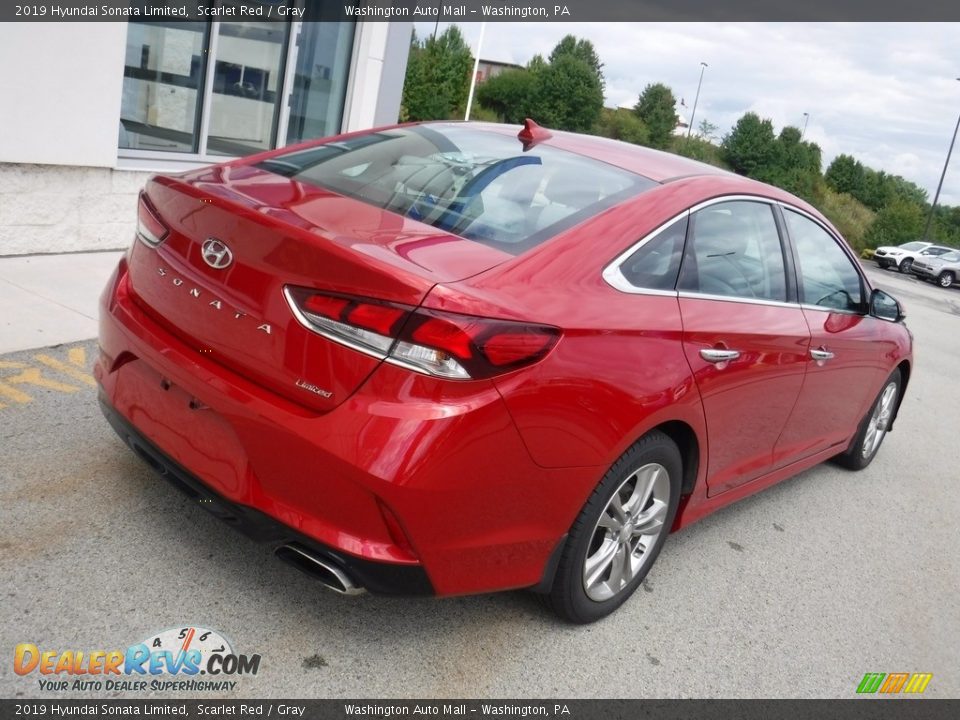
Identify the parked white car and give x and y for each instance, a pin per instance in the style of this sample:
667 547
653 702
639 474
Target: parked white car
902 256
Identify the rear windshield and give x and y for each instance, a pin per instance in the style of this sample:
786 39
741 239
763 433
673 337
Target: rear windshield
462 180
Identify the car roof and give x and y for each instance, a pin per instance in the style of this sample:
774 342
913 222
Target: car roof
656 165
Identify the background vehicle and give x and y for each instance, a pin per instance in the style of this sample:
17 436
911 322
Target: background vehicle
944 269
450 358
903 256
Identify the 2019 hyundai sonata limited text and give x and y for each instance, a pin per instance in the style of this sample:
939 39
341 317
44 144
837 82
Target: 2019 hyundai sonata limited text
450 358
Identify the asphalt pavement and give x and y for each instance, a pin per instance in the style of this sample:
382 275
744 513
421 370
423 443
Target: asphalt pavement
795 592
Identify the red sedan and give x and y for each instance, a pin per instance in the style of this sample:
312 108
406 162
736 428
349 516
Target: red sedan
451 358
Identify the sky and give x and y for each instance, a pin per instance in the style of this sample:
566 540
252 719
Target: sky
885 93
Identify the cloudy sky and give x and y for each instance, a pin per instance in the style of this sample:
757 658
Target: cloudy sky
884 93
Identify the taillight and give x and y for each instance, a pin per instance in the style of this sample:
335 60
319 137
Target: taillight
434 342
150 229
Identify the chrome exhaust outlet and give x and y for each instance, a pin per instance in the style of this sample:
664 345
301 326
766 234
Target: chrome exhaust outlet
319 569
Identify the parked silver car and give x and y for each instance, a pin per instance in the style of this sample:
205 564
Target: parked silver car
944 269
903 256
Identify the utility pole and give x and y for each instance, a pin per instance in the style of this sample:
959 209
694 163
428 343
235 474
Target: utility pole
693 113
933 207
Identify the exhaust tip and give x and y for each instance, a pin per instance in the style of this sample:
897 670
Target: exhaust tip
319 569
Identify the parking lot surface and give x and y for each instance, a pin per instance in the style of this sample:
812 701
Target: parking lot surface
795 592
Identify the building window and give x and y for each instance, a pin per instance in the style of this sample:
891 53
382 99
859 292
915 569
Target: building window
219 88
164 71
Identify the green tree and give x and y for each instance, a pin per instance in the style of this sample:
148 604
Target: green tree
697 148
946 225
895 224
795 165
438 77
846 175
751 148
706 130
565 93
511 95
657 108
569 95
621 124
581 50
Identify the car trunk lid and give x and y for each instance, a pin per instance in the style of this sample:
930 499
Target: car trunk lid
278 233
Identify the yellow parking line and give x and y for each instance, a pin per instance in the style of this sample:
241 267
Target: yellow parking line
67 369
12 394
30 376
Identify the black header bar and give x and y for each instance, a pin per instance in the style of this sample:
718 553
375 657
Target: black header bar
483 10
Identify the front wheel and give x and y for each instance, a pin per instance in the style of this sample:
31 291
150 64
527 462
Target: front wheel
619 532
906 265
874 427
945 279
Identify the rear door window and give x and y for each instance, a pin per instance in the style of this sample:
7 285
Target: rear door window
734 250
656 263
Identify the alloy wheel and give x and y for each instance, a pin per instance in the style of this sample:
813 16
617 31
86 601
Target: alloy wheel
879 420
627 529
946 279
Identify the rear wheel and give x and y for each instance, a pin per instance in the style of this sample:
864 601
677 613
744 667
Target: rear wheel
874 427
906 265
945 279
619 533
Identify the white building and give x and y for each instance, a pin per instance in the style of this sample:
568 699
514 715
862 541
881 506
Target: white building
90 109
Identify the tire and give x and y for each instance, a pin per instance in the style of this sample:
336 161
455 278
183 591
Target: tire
906 265
873 428
600 566
945 279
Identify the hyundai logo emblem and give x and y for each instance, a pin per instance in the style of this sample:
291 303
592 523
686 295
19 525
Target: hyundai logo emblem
216 254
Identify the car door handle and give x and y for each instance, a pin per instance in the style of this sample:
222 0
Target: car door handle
821 354
716 355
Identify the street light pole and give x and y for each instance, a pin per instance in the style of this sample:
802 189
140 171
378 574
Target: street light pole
933 207
693 113
806 119
473 79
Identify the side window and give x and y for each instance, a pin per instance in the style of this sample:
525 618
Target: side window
827 276
734 250
655 265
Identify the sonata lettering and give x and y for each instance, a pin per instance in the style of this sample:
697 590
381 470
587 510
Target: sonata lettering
216 303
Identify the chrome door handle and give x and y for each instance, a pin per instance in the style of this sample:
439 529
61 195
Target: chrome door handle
715 355
821 354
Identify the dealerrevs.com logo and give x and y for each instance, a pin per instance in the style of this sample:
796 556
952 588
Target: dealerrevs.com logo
180 659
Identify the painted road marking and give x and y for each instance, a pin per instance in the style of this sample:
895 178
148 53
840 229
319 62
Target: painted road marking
17 377
78 358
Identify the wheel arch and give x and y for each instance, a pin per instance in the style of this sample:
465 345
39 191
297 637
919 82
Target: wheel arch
686 440
904 368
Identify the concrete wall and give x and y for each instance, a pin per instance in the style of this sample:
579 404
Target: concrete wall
56 208
61 92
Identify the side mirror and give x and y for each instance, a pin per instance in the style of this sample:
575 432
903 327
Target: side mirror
885 307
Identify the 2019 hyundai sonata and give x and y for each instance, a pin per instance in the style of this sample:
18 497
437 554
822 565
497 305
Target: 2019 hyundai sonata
454 358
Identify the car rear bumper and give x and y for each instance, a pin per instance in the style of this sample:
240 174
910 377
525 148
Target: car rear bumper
438 489
378 577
